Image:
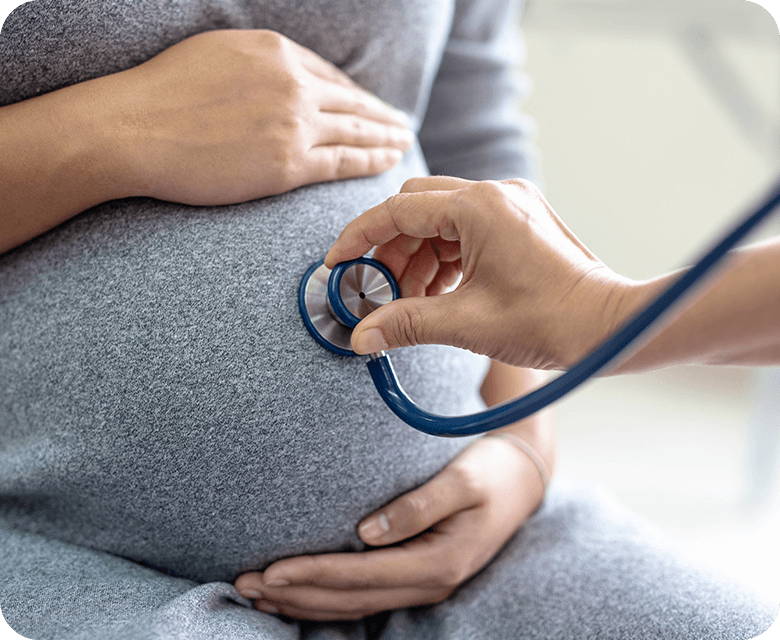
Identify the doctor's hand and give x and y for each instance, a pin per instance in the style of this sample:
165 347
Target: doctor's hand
429 541
531 294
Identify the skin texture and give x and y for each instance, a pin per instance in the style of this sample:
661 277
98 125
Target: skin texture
546 299
262 115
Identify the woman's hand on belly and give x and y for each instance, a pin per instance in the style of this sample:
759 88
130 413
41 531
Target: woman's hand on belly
219 118
449 529
229 116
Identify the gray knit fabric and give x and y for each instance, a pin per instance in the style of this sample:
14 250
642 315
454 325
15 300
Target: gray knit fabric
166 422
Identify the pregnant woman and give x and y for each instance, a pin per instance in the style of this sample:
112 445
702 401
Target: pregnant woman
178 458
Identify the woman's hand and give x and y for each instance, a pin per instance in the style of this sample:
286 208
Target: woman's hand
448 529
229 116
219 118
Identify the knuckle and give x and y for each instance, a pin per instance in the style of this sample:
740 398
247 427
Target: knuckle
359 127
523 184
394 203
341 161
409 327
373 162
486 190
411 510
292 89
464 481
450 576
272 40
283 167
286 128
413 184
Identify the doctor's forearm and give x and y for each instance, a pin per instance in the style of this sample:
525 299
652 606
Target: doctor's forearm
735 320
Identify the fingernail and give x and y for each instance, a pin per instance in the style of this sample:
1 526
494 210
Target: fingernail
266 606
277 582
374 527
250 593
371 341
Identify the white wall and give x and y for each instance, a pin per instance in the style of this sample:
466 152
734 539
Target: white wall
646 164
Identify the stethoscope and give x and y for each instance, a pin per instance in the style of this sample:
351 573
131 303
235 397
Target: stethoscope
333 302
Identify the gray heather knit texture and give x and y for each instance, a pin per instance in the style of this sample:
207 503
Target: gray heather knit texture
166 422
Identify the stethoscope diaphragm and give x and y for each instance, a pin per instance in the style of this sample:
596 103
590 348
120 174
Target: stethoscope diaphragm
333 302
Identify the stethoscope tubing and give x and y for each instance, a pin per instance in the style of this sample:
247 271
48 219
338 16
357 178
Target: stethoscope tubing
392 393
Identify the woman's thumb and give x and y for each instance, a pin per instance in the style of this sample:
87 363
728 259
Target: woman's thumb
406 322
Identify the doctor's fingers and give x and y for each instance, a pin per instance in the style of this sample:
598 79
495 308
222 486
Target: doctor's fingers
421 271
451 319
419 215
435 183
432 270
398 252
448 276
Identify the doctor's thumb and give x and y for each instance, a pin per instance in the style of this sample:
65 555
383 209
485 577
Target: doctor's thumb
406 322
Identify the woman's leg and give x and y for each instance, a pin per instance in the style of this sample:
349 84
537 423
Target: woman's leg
582 567
55 591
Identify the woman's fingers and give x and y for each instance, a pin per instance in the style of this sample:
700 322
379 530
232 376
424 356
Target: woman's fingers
313 603
396 567
359 131
435 559
324 69
340 162
333 98
447 493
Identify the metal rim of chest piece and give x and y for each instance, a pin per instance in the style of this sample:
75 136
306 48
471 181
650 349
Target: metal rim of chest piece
333 302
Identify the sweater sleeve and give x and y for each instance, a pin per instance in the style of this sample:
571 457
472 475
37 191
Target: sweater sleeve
473 127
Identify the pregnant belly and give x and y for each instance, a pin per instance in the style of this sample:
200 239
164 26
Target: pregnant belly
165 402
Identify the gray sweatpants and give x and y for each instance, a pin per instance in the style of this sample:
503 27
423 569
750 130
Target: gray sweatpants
580 568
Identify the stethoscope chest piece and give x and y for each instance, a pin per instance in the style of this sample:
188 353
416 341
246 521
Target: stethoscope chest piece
333 302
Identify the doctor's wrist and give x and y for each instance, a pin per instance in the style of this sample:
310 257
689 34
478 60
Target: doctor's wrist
595 313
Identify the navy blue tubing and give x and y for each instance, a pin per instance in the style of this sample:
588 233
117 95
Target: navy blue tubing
501 415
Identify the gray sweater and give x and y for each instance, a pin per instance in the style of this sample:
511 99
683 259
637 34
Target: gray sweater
160 397
166 422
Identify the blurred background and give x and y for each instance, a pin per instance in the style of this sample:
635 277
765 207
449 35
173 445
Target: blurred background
659 122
